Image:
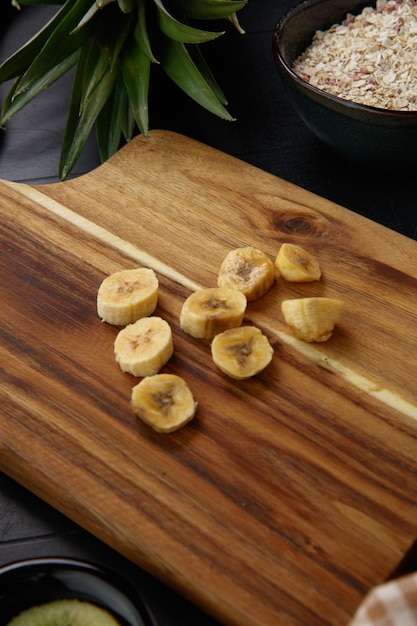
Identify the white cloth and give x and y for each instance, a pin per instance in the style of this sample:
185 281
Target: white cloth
391 604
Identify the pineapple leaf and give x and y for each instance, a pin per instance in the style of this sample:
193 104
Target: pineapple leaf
96 66
205 71
92 11
18 63
103 50
179 66
210 9
111 121
59 45
15 102
136 73
233 19
114 44
178 31
129 123
141 32
79 126
127 6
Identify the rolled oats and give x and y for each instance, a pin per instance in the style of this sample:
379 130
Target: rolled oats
369 58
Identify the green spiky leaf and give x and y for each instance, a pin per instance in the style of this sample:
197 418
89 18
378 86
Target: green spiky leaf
82 116
211 9
18 62
143 28
136 68
127 6
179 66
178 31
111 122
61 44
114 45
16 102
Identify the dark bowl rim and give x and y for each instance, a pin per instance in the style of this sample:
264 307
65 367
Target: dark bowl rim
105 573
56 561
349 104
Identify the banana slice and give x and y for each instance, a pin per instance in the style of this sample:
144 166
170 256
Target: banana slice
248 270
164 402
144 347
241 352
127 295
296 265
312 319
210 311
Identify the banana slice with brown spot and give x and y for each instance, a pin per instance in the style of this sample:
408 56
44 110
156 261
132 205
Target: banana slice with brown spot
207 312
144 347
312 319
295 264
248 270
164 402
127 295
241 352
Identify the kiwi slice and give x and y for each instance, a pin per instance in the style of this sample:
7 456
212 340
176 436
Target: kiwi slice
70 612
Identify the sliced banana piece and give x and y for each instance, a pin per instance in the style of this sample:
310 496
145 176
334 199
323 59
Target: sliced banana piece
144 347
241 352
248 270
312 319
296 264
210 311
164 402
127 295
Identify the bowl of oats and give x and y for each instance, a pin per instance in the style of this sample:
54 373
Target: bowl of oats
348 67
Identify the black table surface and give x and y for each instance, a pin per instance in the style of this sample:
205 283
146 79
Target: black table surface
267 133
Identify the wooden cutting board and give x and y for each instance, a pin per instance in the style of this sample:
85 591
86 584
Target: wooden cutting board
289 495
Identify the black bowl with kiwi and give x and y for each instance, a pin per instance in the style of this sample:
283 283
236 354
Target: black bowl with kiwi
43 591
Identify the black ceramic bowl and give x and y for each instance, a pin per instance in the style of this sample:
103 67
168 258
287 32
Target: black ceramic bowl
38 581
368 136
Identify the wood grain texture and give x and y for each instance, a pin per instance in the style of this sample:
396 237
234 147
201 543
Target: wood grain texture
289 495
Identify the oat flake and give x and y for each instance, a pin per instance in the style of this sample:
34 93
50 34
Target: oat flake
369 58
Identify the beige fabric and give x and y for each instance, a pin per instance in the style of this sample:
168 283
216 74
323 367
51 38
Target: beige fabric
391 604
